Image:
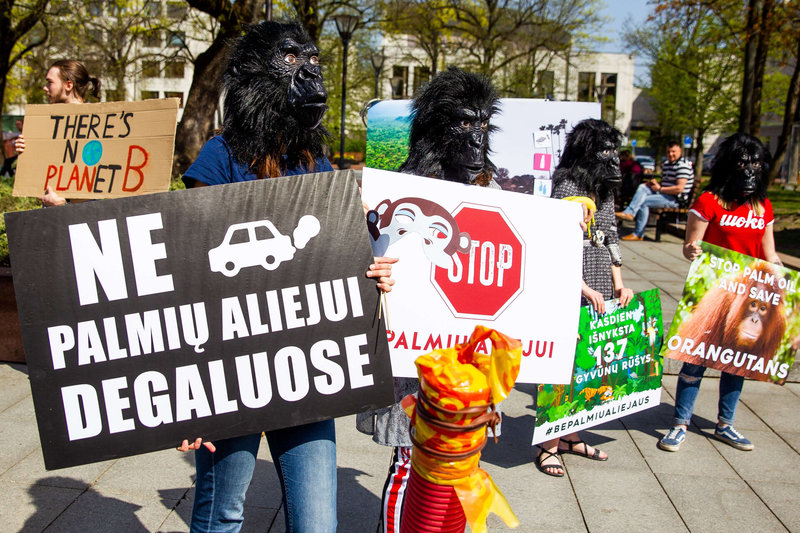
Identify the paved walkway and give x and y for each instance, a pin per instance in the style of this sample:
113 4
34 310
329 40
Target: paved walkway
707 486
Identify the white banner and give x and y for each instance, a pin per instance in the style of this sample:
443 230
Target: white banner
526 146
471 255
627 405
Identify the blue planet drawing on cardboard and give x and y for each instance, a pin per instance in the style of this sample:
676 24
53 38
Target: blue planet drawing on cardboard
92 152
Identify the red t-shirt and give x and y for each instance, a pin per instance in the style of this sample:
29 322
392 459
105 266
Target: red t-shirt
739 229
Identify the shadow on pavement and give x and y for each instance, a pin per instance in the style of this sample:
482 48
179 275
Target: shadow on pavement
90 511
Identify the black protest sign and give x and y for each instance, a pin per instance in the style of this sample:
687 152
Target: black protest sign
211 312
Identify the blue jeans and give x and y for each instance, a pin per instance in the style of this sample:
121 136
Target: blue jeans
305 457
730 387
640 205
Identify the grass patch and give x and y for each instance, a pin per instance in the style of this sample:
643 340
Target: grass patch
784 201
786 206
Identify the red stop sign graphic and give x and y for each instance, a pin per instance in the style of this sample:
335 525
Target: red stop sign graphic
482 282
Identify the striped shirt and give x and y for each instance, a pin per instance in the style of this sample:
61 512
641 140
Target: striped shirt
672 172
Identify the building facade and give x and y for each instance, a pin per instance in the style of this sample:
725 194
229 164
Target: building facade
586 77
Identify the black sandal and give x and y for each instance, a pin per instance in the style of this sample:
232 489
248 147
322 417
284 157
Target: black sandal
543 468
595 456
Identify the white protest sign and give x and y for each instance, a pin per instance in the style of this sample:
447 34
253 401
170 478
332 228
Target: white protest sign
472 255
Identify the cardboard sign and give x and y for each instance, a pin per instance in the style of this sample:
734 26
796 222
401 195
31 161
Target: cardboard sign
213 312
471 255
106 150
737 314
526 147
617 369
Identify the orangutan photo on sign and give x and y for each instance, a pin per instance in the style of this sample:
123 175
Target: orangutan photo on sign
737 317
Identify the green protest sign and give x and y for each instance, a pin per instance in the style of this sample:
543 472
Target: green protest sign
617 369
737 314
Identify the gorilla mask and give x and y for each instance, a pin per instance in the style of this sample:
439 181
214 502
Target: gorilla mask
275 99
451 127
299 64
591 157
740 169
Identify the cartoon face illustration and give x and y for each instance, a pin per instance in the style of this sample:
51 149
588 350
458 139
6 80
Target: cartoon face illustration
437 229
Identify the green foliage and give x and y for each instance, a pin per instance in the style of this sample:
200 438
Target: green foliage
356 142
773 98
545 396
176 184
695 69
584 359
387 144
9 203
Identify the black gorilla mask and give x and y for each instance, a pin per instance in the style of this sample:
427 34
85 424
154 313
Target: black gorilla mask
275 99
747 176
740 169
591 157
608 158
471 128
299 64
451 127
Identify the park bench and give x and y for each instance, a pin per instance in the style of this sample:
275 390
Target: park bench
672 216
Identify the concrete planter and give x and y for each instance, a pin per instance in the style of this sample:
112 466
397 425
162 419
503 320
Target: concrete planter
10 332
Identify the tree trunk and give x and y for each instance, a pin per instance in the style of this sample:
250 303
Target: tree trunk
308 15
3 68
201 105
764 30
698 156
203 97
750 48
12 32
789 117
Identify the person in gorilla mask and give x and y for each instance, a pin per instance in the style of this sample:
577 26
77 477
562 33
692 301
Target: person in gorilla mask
274 103
735 213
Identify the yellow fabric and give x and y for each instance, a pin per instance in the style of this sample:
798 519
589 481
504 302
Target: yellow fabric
590 205
455 379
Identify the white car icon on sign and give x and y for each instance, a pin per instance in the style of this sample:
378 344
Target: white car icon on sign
251 244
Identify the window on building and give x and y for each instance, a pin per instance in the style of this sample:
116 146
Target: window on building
95 7
608 97
399 82
152 8
149 95
174 69
152 39
176 39
545 84
175 94
586 87
421 76
176 10
114 95
150 69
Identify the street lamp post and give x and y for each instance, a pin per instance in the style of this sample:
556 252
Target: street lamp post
377 65
345 25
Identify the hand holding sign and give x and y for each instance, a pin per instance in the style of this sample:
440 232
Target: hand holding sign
382 270
51 199
198 442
